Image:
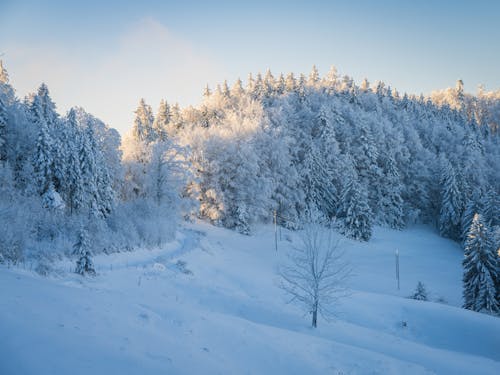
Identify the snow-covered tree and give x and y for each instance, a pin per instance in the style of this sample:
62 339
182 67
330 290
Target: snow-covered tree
451 202
88 170
420 293
143 123
82 250
390 202
3 131
166 175
354 212
480 269
316 273
161 121
43 158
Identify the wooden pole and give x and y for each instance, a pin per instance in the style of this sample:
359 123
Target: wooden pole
397 266
275 230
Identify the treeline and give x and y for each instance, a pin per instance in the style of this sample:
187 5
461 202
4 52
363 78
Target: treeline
63 177
358 155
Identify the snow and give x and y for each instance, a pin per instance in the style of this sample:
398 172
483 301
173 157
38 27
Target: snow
208 303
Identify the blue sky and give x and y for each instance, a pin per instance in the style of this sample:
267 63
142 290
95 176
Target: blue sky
105 55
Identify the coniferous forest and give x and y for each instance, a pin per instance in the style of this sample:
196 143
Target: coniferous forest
296 146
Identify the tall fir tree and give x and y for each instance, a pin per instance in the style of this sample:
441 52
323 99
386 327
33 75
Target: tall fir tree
162 121
143 123
3 131
390 201
354 212
73 182
480 269
88 169
43 159
451 202
474 205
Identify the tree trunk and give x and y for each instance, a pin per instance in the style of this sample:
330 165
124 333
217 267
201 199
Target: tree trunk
315 317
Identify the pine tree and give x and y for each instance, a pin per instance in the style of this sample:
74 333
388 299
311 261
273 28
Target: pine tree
268 84
313 80
73 182
207 92
88 169
143 123
84 264
161 121
390 201
480 269
354 210
474 205
451 202
491 204
420 293
3 131
43 158
237 90
290 83
6 89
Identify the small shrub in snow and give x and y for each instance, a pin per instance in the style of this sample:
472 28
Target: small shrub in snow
420 293
84 264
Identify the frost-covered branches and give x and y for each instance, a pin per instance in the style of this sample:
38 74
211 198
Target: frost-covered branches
316 273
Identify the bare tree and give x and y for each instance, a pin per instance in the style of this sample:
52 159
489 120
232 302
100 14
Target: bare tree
315 274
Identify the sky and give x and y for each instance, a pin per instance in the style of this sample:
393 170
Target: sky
106 55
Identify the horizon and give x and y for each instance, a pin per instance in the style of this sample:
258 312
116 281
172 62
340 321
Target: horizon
162 50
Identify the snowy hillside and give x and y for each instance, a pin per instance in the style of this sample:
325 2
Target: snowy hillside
208 303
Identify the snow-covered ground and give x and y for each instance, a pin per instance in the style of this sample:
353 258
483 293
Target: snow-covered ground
208 303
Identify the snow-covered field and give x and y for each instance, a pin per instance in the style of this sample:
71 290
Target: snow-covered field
208 303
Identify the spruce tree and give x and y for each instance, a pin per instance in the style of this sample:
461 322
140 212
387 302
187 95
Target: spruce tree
84 264
3 131
88 171
474 205
43 159
390 202
161 121
451 202
420 293
480 269
354 210
143 123
73 182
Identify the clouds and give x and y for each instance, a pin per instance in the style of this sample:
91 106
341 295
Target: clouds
109 75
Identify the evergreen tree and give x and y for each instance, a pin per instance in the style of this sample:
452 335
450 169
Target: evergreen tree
451 202
290 83
143 123
3 131
420 293
88 169
207 92
84 264
480 269
43 159
354 210
331 79
74 187
313 80
6 89
161 121
237 90
474 205
491 204
391 202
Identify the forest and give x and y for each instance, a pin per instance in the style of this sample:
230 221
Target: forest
356 155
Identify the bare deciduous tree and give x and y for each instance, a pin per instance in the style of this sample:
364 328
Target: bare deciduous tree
315 274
